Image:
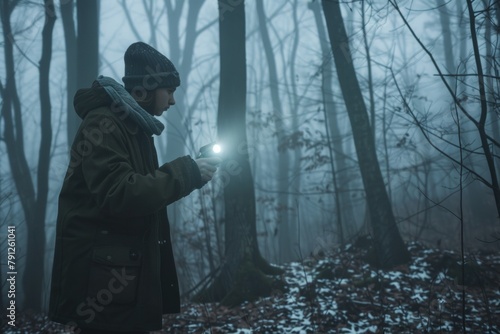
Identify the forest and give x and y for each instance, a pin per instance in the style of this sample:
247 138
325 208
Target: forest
359 191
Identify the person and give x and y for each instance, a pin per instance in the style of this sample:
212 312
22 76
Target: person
114 269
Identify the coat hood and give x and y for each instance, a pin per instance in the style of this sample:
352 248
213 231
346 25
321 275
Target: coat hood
88 99
106 92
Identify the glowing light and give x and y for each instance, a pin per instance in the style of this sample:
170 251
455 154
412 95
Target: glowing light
216 148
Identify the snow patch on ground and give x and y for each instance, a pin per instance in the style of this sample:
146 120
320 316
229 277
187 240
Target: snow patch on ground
341 293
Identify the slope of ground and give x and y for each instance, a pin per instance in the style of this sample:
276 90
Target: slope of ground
340 292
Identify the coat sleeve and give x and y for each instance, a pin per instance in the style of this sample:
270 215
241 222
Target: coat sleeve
118 189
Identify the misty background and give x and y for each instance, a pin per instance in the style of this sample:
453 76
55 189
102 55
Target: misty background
309 193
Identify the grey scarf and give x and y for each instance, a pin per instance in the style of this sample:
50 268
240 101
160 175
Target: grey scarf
119 95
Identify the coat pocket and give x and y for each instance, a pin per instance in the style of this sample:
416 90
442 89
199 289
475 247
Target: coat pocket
114 274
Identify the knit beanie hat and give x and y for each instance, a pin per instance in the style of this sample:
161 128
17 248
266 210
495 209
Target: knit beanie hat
146 68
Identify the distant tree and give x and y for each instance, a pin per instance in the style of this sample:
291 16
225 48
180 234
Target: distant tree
463 42
183 32
180 116
345 214
242 275
182 56
444 16
285 230
389 246
294 100
33 199
487 142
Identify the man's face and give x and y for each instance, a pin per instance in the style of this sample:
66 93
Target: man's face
164 99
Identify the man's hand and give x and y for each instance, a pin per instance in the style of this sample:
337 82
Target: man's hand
208 167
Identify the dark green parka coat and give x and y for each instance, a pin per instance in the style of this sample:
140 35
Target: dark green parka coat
113 262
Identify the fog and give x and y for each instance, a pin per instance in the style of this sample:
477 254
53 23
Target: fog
420 87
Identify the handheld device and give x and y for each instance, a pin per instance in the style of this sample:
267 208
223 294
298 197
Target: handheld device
210 150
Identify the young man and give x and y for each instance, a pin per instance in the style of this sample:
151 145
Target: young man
114 269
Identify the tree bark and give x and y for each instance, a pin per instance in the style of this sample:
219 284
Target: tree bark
389 246
87 43
242 276
67 11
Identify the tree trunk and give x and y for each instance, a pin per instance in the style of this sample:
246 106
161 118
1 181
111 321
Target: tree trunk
481 124
87 43
285 230
390 248
369 68
177 137
2 218
297 153
444 17
497 11
13 127
176 133
346 217
177 130
242 276
462 68
490 85
35 260
67 10
34 206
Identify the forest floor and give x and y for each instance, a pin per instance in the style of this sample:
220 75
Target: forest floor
340 292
